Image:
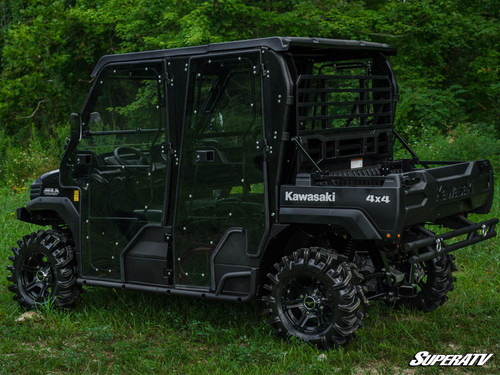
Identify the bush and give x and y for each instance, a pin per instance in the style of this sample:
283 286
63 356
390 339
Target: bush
436 108
19 163
463 142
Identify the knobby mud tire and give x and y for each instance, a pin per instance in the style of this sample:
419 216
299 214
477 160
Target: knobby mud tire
43 270
314 296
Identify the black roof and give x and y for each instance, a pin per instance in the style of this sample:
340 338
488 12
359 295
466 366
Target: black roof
278 44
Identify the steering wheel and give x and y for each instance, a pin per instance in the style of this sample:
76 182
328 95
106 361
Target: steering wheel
121 152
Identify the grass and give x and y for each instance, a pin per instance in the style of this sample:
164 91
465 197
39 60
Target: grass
116 332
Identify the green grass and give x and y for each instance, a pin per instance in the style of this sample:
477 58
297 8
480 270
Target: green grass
118 332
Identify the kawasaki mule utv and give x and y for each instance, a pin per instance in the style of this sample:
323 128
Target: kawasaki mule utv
257 169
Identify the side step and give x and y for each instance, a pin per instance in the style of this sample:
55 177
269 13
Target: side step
169 290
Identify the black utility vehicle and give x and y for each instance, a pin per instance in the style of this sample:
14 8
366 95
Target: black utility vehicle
258 169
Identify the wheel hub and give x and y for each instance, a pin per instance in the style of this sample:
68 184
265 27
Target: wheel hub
419 273
41 275
312 302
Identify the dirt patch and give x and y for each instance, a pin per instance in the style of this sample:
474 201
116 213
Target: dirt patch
29 316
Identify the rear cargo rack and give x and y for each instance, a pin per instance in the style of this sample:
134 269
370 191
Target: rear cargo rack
334 101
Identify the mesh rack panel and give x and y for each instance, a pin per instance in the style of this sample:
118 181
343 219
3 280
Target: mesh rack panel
336 101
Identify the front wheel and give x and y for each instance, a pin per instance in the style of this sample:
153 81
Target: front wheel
314 297
43 270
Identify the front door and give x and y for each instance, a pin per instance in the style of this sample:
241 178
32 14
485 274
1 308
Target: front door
120 163
221 184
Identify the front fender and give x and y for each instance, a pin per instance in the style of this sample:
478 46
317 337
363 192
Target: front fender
41 211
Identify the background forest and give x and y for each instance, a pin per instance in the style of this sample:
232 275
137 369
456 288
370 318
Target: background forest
447 64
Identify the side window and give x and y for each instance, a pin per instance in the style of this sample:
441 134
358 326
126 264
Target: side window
125 110
225 119
227 103
226 108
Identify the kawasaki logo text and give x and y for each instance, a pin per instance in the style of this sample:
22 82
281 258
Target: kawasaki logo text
295 197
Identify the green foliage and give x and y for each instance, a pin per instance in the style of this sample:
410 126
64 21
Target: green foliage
40 72
422 107
462 142
20 164
447 60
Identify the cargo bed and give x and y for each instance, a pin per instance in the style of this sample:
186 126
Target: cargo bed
382 206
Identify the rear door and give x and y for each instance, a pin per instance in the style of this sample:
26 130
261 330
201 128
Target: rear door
221 182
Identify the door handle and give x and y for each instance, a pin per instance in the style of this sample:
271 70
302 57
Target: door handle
205 156
83 159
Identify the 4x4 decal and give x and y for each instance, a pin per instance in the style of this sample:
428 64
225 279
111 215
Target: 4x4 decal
378 198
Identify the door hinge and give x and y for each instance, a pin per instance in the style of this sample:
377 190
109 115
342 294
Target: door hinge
168 149
263 145
171 150
167 78
260 69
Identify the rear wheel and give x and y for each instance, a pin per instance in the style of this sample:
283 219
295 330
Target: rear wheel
314 297
435 280
43 270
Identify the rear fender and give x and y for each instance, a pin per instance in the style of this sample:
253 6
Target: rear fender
353 221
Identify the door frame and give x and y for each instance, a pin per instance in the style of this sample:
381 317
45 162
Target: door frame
266 218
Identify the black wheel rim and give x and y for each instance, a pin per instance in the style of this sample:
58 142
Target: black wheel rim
306 304
38 277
